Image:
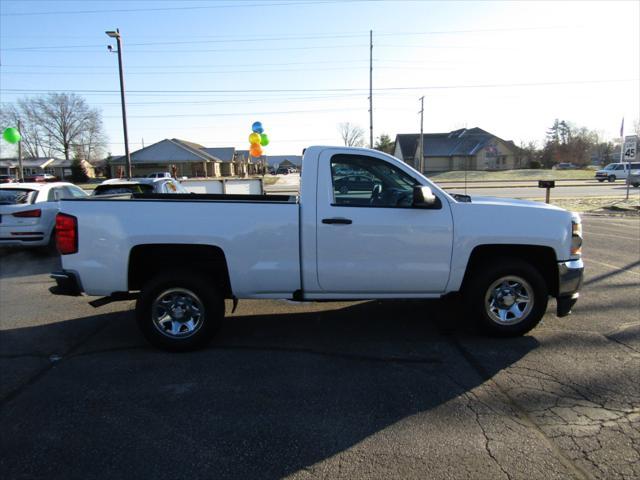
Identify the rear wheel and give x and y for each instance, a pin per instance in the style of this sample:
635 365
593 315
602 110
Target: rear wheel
179 311
507 298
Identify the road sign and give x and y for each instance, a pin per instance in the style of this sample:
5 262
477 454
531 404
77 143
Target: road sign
630 148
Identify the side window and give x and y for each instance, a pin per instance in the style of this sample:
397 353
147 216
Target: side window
54 195
359 180
73 192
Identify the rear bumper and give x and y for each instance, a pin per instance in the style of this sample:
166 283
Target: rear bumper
67 283
570 276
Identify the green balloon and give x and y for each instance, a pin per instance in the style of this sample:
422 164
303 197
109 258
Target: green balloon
11 135
264 140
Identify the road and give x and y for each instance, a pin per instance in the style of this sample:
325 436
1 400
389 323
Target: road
289 184
393 390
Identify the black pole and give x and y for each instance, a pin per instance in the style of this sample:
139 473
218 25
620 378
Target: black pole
124 108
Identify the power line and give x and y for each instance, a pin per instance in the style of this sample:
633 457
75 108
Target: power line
306 90
169 9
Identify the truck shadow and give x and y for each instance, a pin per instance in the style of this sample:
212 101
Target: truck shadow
274 394
17 262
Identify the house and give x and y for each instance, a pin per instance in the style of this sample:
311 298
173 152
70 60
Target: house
470 149
190 159
290 161
59 167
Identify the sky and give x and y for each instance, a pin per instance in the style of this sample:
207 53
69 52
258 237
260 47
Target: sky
204 71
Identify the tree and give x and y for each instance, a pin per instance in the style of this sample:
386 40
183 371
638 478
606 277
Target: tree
58 123
567 143
352 135
384 144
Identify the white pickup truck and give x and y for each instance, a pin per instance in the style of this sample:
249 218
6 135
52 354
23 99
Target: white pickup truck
365 226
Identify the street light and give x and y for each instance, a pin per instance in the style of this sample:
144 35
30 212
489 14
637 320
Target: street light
116 35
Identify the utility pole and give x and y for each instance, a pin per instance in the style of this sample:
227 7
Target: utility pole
20 170
421 139
116 35
370 88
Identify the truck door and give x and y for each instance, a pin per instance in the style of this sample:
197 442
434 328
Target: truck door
369 237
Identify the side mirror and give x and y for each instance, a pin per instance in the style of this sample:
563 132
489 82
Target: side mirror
423 196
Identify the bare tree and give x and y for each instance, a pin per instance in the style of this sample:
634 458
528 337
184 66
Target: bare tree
352 135
59 122
32 141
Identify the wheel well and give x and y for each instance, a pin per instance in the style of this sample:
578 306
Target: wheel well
145 261
541 258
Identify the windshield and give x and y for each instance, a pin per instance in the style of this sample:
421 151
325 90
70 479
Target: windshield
16 196
611 166
115 189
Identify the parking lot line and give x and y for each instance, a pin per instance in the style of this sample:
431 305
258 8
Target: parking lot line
622 269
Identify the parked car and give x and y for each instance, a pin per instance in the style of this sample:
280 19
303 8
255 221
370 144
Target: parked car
7 179
565 166
634 178
181 258
284 171
28 211
139 185
616 171
353 183
40 177
159 175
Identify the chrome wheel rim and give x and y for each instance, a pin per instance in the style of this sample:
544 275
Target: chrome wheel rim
509 300
177 313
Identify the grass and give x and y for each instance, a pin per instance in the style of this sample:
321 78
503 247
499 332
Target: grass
523 174
600 205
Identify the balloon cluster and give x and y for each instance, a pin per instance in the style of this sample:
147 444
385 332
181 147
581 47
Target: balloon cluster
11 135
257 139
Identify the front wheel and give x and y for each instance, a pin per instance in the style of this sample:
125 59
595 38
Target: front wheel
600 180
507 298
611 178
179 311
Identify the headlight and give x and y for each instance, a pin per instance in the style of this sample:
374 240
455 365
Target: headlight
576 237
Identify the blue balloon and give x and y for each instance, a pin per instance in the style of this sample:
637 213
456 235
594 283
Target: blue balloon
257 127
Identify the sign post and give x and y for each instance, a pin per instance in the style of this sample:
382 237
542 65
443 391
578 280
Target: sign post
629 153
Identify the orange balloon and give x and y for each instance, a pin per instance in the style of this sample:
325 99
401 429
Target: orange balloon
255 150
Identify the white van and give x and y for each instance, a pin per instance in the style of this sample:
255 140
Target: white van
616 171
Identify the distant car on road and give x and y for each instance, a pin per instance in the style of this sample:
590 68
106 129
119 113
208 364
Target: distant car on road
28 211
41 177
139 185
616 171
284 171
565 166
634 178
353 183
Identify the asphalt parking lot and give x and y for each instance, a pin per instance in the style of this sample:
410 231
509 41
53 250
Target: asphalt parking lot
331 390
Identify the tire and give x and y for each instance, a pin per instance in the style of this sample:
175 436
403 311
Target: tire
600 180
635 185
344 189
489 297
179 311
611 178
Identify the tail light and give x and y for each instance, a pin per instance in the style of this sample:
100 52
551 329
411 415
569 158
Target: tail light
66 233
29 214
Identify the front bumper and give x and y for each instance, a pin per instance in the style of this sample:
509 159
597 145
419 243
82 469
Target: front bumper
570 276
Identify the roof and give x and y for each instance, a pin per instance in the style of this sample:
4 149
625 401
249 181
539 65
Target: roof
278 159
34 185
134 181
224 154
40 162
408 143
458 143
169 151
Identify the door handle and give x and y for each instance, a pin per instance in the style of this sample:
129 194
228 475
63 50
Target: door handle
337 221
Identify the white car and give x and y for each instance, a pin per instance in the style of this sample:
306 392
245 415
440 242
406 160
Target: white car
116 186
616 171
159 175
28 211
